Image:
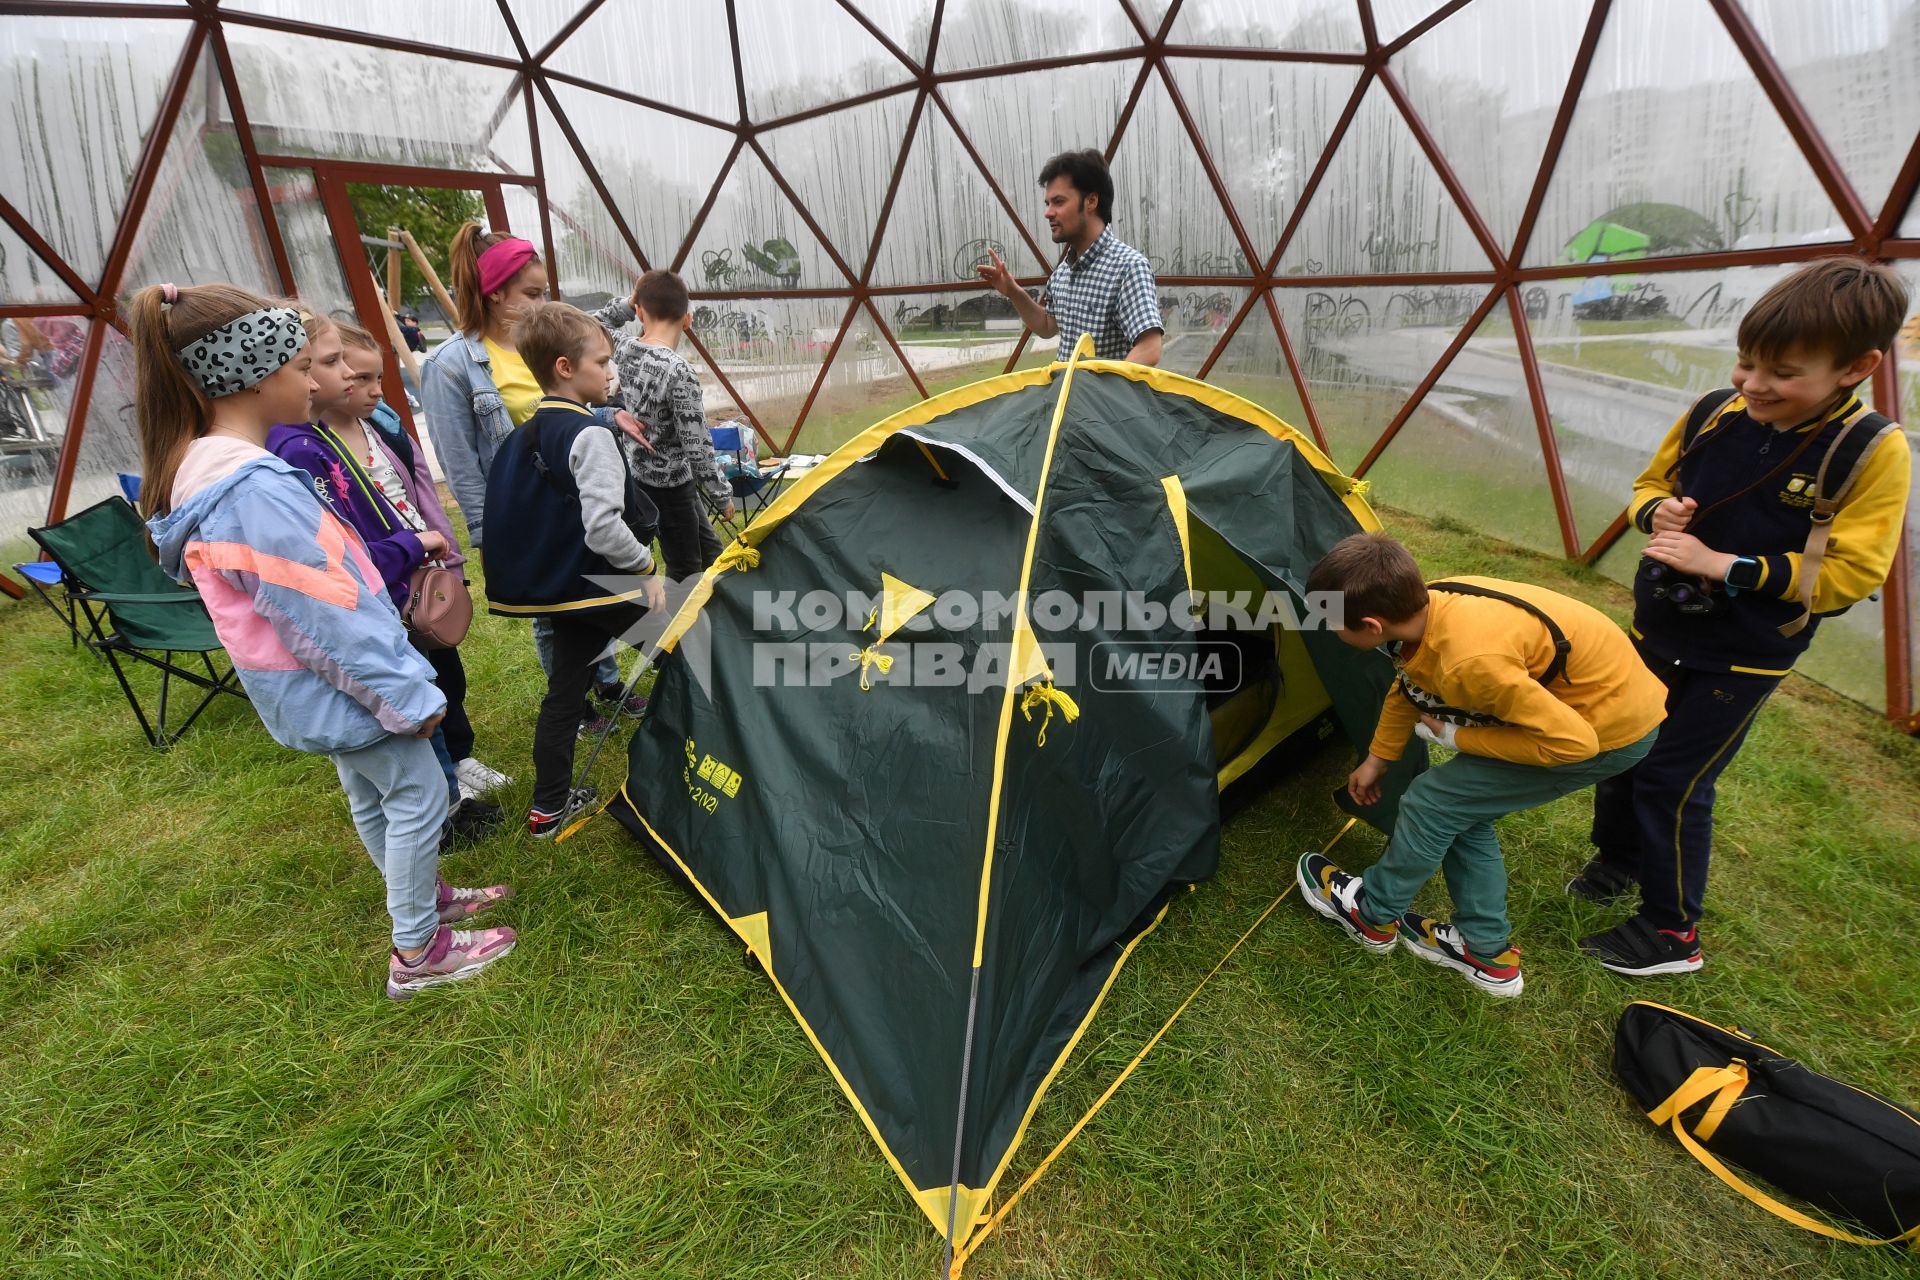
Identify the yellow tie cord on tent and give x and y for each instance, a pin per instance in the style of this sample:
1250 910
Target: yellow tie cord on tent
967 1250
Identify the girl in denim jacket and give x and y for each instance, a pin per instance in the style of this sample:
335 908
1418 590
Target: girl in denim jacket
297 602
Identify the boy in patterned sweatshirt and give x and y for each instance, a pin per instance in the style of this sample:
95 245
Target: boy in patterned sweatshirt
1540 696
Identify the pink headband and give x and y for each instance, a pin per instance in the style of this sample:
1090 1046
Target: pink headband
502 260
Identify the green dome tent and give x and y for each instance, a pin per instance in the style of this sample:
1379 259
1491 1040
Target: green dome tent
943 876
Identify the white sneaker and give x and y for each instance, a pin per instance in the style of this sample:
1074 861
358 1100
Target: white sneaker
477 779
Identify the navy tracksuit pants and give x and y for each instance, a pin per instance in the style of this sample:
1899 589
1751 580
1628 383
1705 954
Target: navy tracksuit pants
1655 821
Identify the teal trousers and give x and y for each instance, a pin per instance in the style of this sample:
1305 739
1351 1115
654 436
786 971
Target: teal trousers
1446 823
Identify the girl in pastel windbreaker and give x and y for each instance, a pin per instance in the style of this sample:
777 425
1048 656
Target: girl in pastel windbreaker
296 600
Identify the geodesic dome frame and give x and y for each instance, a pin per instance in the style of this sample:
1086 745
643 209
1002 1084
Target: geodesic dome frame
1428 232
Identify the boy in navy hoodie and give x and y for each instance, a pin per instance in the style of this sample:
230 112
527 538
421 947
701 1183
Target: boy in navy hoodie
560 483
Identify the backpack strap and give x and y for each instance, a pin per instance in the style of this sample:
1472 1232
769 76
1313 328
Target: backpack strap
1556 669
1826 501
1705 410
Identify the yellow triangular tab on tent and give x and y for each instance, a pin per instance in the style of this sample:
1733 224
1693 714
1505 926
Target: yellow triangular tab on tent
898 604
1029 662
973 1208
754 929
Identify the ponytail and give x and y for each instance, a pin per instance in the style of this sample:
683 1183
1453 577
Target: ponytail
464 255
173 410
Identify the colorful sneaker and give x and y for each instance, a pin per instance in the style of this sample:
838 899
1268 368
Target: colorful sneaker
1336 895
454 955
456 905
1601 884
1635 947
1441 943
477 779
593 724
543 825
632 705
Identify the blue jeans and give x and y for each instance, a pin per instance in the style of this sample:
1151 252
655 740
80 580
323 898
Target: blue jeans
606 672
445 759
1446 824
397 793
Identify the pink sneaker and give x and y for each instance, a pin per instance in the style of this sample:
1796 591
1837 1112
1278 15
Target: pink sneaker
462 904
453 955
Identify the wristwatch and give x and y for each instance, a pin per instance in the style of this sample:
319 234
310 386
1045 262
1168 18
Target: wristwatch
1742 575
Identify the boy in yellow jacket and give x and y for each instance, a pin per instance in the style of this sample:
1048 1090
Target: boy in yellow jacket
1771 505
1539 694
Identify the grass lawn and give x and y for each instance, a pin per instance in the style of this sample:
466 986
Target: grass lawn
200 1078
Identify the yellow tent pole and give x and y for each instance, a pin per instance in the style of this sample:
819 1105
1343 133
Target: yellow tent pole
400 346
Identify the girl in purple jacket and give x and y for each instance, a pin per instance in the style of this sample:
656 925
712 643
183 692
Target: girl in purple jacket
391 502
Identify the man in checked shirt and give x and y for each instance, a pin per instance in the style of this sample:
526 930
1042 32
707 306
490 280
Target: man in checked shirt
1101 286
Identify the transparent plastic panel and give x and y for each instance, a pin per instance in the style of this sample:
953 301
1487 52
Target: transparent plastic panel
36 392
473 25
679 54
80 96
1675 148
317 273
1487 83
593 255
1254 368
1265 125
754 240
112 442
1380 208
1197 317
1081 106
945 218
25 276
1363 350
541 20
377 104
865 384
1471 450
1621 358
797 54
952 338
1910 225
771 350
659 168
1394 18
1328 26
908 23
1162 202
990 33
510 146
1856 69
202 220
840 165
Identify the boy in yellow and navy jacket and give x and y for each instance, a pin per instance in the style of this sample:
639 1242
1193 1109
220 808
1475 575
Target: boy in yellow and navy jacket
1539 694
1771 505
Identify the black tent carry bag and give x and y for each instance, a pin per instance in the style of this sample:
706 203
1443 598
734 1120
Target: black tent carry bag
1843 1149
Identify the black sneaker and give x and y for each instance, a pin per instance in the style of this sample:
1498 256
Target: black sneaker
1601 884
471 820
1441 943
1336 895
1635 947
542 825
633 704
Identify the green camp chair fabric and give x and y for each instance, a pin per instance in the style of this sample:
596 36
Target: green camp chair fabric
942 881
133 611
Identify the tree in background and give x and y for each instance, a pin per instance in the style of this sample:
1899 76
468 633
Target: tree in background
432 214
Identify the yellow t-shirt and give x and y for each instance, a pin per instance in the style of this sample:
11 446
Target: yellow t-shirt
514 381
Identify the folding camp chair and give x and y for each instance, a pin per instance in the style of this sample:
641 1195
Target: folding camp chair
131 611
45 578
754 487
